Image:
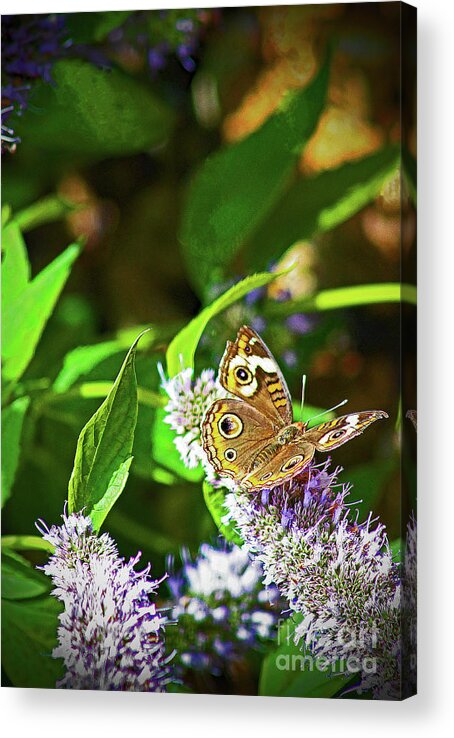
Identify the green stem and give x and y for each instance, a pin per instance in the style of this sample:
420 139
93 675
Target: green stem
345 297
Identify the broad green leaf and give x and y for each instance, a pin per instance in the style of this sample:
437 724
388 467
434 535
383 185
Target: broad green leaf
47 210
317 204
19 579
290 671
103 453
12 421
29 634
369 482
15 264
182 349
236 188
117 483
214 499
96 112
345 297
25 317
165 452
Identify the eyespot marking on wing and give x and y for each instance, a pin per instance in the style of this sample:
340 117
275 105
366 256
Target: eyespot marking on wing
230 425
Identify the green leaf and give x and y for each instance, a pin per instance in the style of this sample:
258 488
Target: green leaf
214 499
345 297
47 210
89 27
12 422
19 579
317 204
84 359
117 483
97 112
26 543
103 453
182 349
290 671
237 187
368 482
25 317
165 452
29 634
15 264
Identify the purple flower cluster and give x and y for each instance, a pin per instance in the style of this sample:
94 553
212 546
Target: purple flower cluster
221 608
337 574
30 45
110 633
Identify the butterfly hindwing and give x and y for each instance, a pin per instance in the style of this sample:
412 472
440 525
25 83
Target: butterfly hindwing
279 464
249 371
334 433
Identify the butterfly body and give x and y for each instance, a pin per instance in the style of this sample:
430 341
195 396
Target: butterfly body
251 437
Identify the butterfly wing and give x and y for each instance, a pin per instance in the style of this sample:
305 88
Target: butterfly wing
277 464
334 433
233 433
249 371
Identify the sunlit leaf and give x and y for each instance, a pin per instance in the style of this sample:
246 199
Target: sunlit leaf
103 453
15 264
25 317
182 349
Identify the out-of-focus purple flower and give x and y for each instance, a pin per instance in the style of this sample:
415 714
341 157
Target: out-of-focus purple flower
220 606
30 46
110 633
188 402
290 358
299 323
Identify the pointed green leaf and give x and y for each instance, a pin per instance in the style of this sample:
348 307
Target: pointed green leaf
182 349
12 422
15 264
47 210
214 499
117 483
25 317
238 186
103 453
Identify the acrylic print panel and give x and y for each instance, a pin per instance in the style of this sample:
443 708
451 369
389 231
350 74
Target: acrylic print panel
201 207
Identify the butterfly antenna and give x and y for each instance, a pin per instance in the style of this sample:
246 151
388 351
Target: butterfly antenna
303 392
331 409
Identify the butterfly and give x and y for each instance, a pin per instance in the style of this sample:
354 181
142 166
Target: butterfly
251 437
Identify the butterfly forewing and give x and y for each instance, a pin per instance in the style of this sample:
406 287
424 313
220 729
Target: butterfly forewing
249 371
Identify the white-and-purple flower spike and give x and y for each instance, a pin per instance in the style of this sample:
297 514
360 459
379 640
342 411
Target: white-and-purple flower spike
221 604
188 402
110 632
338 575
